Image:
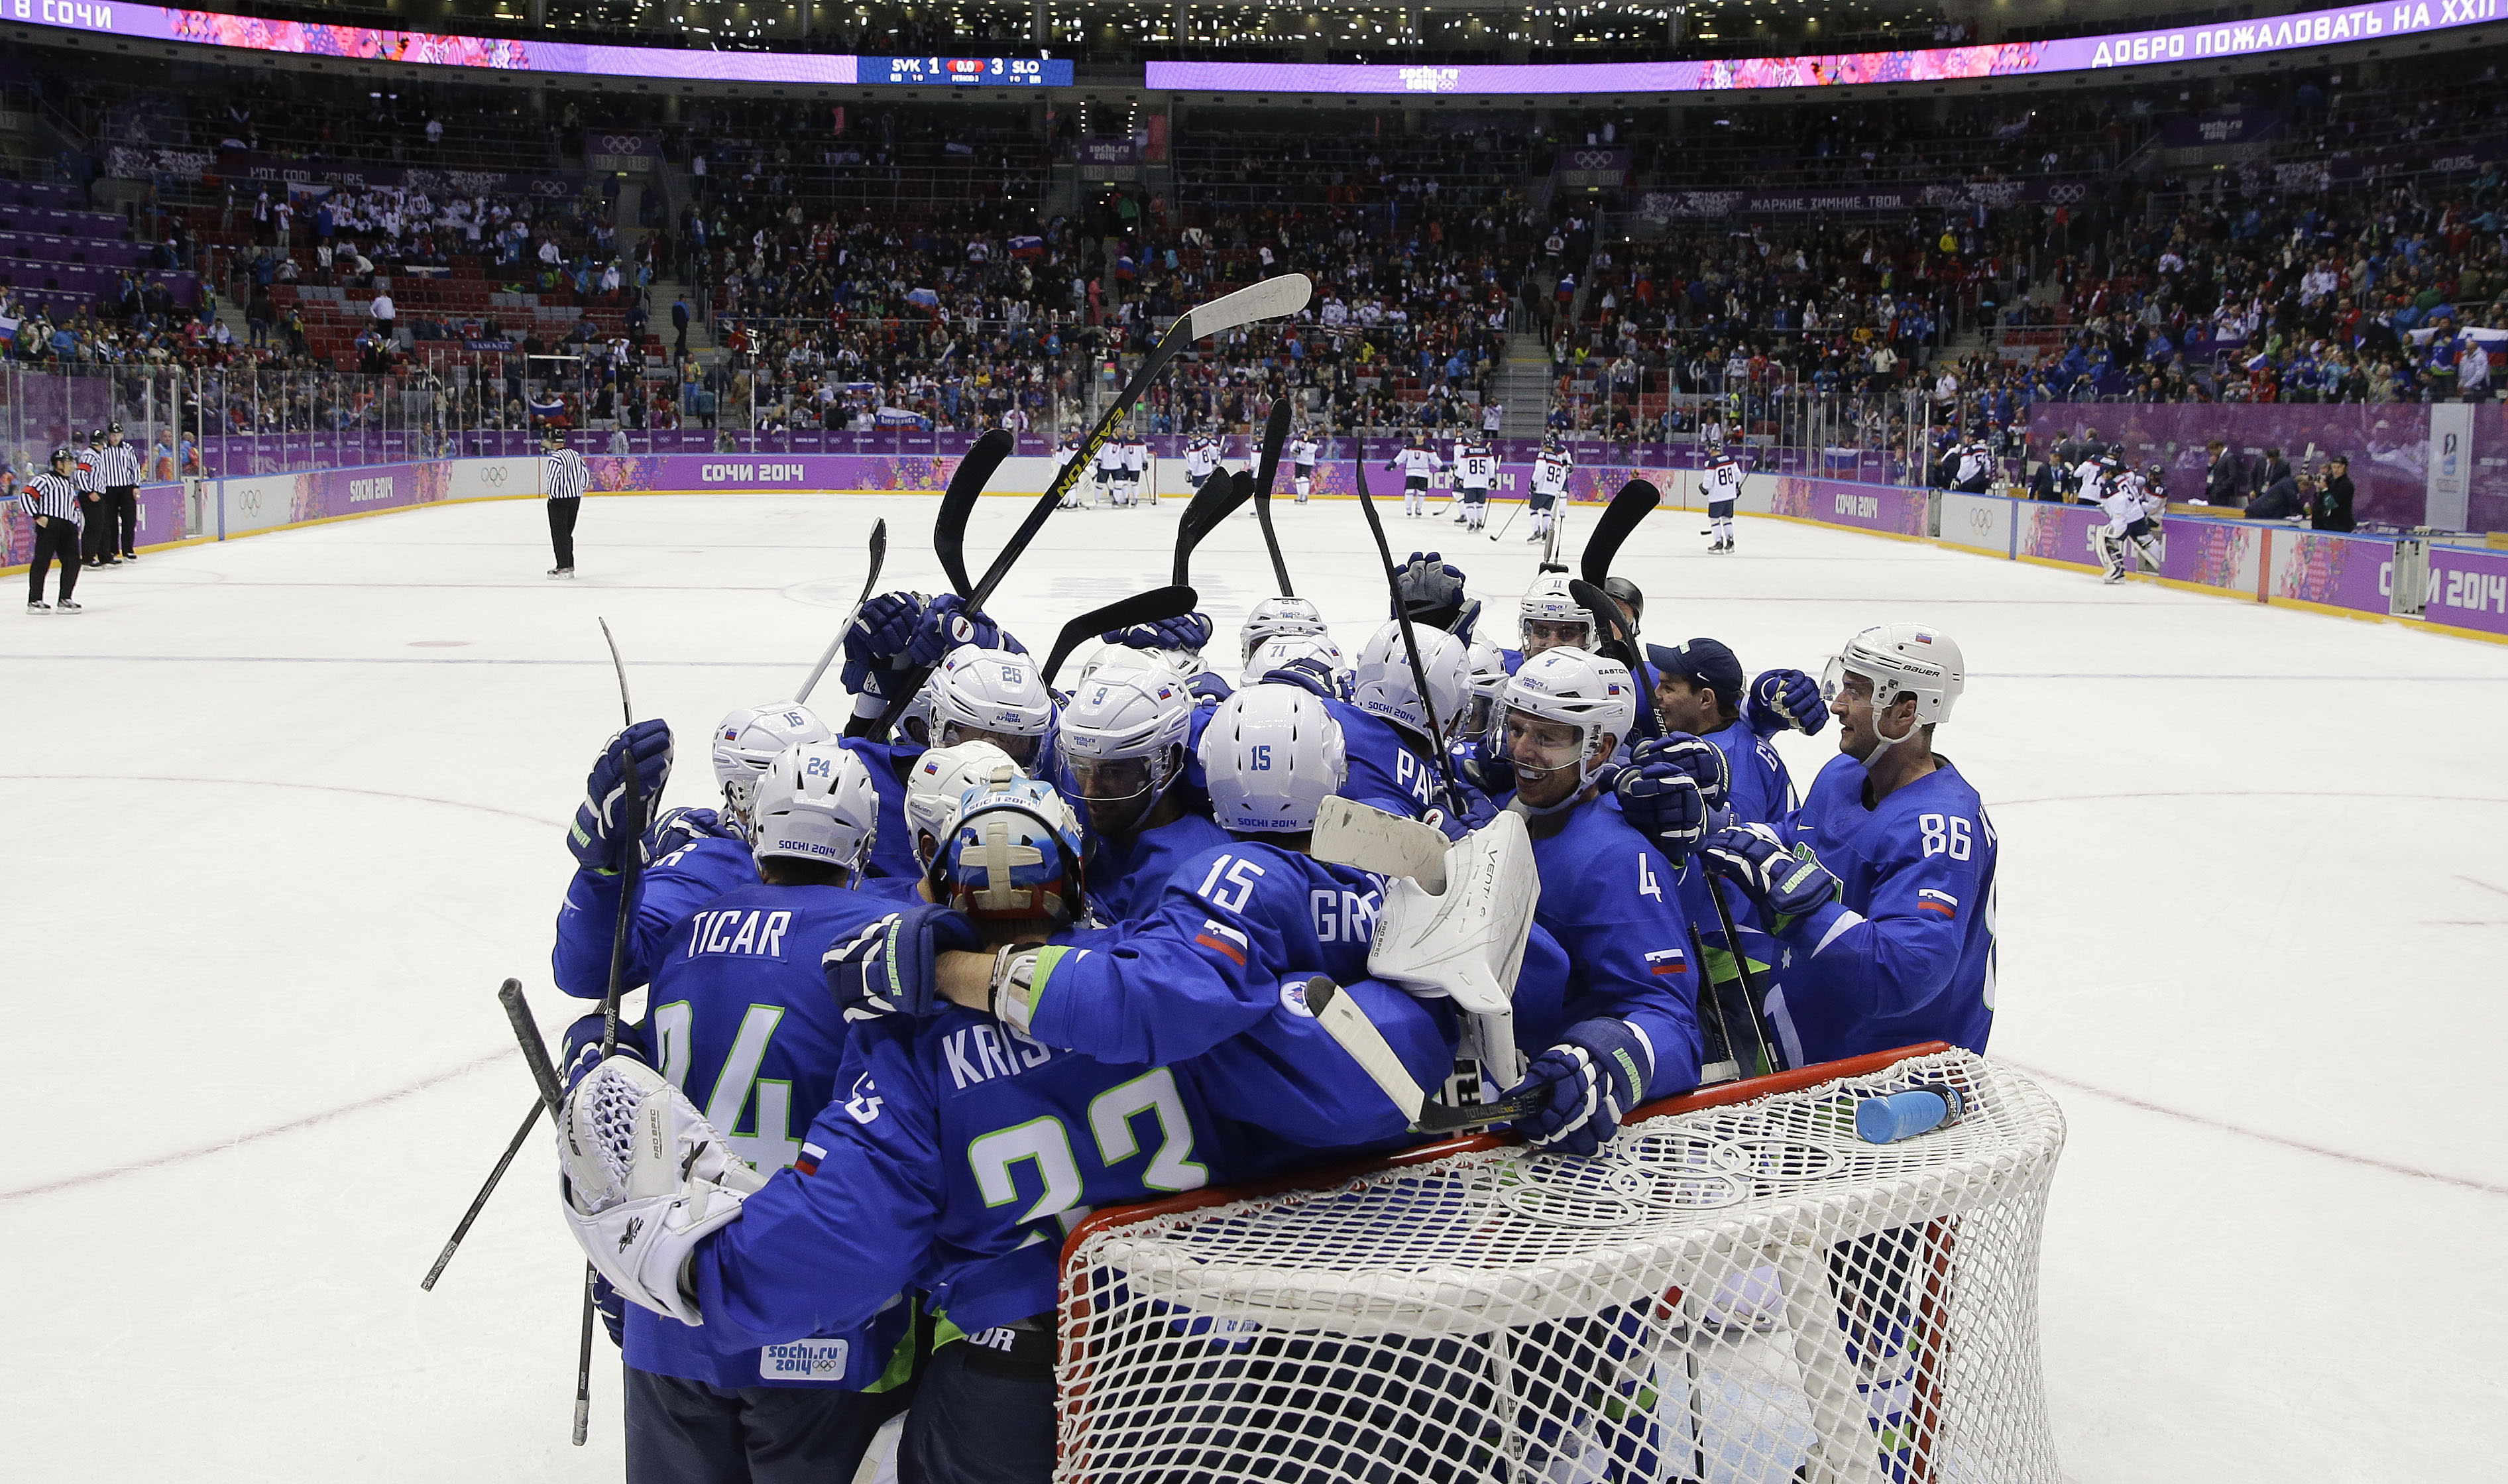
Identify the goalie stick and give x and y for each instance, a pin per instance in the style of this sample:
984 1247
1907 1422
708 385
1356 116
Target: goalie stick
1270 299
1410 640
1276 433
1353 1032
878 559
1141 608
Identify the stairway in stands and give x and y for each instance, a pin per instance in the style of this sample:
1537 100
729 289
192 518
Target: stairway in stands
1524 386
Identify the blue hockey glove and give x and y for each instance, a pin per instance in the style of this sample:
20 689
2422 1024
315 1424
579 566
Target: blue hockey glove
1664 804
583 1047
1485 767
1780 881
948 624
1587 1082
595 839
678 829
888 967
875 643
1308 674
1431 587
1703 760
1190 632
614 1309
1786 698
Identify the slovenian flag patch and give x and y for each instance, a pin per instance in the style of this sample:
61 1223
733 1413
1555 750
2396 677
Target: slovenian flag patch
1224 939
1928 900
1667 961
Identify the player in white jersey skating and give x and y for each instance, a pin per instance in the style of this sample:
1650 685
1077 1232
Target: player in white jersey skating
2133 504
1418 464
1475 472
1302 463
1549 485
1720 483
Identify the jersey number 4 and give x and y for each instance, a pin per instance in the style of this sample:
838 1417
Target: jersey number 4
769 1142
1047 1144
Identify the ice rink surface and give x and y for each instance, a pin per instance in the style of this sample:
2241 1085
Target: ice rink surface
288 808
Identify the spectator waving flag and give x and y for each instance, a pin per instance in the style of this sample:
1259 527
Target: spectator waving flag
1027 247
550 410
924 297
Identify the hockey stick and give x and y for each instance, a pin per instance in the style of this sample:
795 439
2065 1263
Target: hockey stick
1141 608
1274 434
479 1203
630 871
958 504
536 1057
1509 523
1270 299
1409 642
1218 499
1635 501
1353 1032
878 558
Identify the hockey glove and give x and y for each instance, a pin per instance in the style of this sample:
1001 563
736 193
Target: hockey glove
599 821
1785 699
678 829
1485 767
949 625
1586 1083
1431 587
583 1048
1665 803
1780 881
875 643
1703 760
646 1178
1310 674
888 968
1189 633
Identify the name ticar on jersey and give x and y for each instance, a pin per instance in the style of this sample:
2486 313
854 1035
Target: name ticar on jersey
976 1054
753 931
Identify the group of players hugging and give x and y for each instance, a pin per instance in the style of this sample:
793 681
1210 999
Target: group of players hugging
920 998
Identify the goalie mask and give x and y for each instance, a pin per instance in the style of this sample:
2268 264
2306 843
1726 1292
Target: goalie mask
1551 616
941 778
1014 856
1556 711
747 740
1121 739
1275 616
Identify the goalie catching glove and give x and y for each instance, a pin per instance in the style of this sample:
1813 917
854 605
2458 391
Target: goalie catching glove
1587 1084
646 1178
1752 857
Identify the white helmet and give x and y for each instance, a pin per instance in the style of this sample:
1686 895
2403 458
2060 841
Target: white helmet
1275 616
1270 756
752 737
1281 649
1572 688
1487 679
814 801
1902 659
932 790
1382 683
995 692
1548 601
1123 740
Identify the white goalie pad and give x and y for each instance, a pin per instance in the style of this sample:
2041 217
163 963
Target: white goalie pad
646 1179
1465 942
1352 833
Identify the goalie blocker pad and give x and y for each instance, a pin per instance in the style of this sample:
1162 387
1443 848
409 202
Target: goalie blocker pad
645 1179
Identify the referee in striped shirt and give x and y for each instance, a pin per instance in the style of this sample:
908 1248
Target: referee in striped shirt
566 481
118 466
51 503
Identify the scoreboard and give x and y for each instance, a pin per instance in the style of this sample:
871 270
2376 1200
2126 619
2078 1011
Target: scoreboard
964 71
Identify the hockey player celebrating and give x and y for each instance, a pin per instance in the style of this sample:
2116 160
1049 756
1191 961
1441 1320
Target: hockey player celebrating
1971 467
1274 618
1386 729
1475 474
1547 617
1419 463
1549 485
991 696
1881 887
1200 459
1301 462
745 1028
2133 504
1719 483
1609 897
1122 741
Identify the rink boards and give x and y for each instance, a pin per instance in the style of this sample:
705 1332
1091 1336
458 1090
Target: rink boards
2456 589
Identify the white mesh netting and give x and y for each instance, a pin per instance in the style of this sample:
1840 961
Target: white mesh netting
1739 1293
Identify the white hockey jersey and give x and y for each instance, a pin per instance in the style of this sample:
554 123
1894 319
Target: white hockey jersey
1301 453
1475 467
1136 456
1550 473
1721 480
1201 458
1418 464
1110 457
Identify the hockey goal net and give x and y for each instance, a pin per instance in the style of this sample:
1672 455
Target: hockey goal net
1738 1289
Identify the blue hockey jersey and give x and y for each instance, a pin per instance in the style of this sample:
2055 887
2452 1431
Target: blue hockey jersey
1907 953
892 849
1128 877
667 890
963 1152
1384 770
1763 791
1622 915
741 1020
